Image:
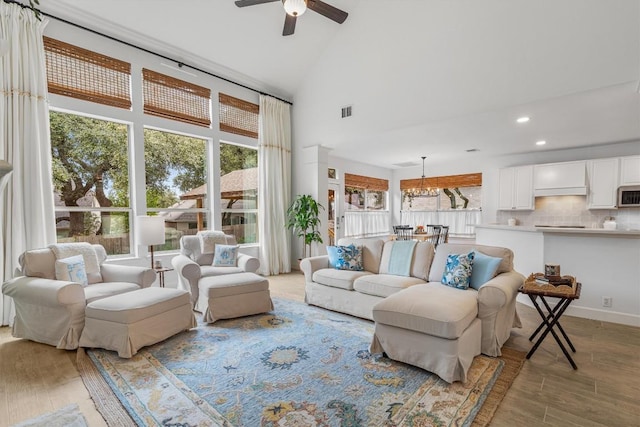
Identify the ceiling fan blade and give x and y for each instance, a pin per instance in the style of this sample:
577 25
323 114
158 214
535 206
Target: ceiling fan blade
289 25
327 10
243 3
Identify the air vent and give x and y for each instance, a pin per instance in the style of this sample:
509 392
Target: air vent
347 111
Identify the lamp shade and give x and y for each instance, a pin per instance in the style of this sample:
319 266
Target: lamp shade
149 230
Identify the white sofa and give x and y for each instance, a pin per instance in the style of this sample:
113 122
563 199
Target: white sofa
357 292
52 311
192 265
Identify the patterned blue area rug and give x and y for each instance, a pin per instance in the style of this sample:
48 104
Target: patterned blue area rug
297 366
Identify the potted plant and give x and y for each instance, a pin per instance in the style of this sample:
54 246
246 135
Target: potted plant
302 218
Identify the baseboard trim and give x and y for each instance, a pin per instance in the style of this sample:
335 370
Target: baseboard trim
593 313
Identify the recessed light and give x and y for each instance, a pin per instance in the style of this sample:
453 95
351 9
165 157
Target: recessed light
522 119
541 142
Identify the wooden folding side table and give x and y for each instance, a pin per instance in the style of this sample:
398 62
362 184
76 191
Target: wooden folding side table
551 319
161 272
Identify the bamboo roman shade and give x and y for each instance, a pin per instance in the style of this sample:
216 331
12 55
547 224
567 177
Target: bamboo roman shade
449 181
238 116
366 182
171 98
90 76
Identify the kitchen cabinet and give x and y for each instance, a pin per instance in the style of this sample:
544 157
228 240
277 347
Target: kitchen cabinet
630 170
559 179
603 183
516 188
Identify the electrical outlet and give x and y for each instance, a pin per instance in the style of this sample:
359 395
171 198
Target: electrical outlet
607 301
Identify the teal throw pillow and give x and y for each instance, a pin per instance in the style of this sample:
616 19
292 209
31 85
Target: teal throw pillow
349 258
225 256
72 269
484 269
332 251
457 272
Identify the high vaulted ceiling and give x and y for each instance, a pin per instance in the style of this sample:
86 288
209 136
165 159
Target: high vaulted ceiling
433 77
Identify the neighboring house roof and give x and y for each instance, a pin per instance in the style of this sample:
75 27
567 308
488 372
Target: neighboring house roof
233 185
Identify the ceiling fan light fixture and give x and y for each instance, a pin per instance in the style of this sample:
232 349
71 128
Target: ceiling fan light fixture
295 7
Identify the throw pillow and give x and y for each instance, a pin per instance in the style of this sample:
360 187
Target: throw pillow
225 256
72 269
484 269
349 258
457 272
332 252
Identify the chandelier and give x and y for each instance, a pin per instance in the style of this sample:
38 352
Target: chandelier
413 193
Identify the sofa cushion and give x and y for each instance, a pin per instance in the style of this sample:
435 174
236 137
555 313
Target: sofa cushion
371 251
209 270
342 279
422 258
102 290
444 249
332 253
432 309
383 285
350 258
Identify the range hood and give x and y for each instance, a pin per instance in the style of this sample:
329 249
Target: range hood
560 179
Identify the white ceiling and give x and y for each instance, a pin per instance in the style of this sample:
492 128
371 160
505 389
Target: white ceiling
425 77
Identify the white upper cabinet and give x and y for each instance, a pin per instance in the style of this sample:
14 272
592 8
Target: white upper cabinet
560 179
516 188
603 183
630 170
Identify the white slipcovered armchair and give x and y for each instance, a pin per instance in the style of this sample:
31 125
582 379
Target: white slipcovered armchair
192 264
52 311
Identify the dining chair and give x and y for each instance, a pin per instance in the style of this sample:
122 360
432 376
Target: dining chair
403 232
433 233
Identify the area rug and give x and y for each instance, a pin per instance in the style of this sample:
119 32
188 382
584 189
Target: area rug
297 366
69 416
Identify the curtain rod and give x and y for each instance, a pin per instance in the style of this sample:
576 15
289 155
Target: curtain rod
180 63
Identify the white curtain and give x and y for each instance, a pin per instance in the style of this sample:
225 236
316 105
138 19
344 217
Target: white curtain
26 205
366 223
274 185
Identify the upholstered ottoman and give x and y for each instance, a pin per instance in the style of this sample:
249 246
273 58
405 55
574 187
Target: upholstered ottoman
127 322
432 326
233 295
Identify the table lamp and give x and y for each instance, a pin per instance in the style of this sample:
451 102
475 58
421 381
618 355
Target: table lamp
149 232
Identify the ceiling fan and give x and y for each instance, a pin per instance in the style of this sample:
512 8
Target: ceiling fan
295 8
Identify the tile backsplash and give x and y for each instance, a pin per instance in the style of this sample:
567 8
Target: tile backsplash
571 210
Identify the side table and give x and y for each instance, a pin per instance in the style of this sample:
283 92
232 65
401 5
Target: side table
551 319
161 272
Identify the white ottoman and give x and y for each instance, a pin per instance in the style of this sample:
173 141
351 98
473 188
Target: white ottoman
127 322
233 295
432 326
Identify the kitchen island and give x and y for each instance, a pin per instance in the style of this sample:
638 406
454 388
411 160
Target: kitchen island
606 262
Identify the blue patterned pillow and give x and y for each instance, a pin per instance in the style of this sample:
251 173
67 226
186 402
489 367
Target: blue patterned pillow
225 256
72 269
457 272
349 258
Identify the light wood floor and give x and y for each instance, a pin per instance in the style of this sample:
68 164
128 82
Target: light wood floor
604 391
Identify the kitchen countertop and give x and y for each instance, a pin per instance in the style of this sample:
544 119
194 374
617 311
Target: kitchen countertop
562 230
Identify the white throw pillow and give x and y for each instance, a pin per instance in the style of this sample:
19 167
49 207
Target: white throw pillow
72 269
225 256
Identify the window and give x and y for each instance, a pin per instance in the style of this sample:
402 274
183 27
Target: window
98 156
366 208
239 191
238 116
456 192
90 76
175 99
175 174
90 163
